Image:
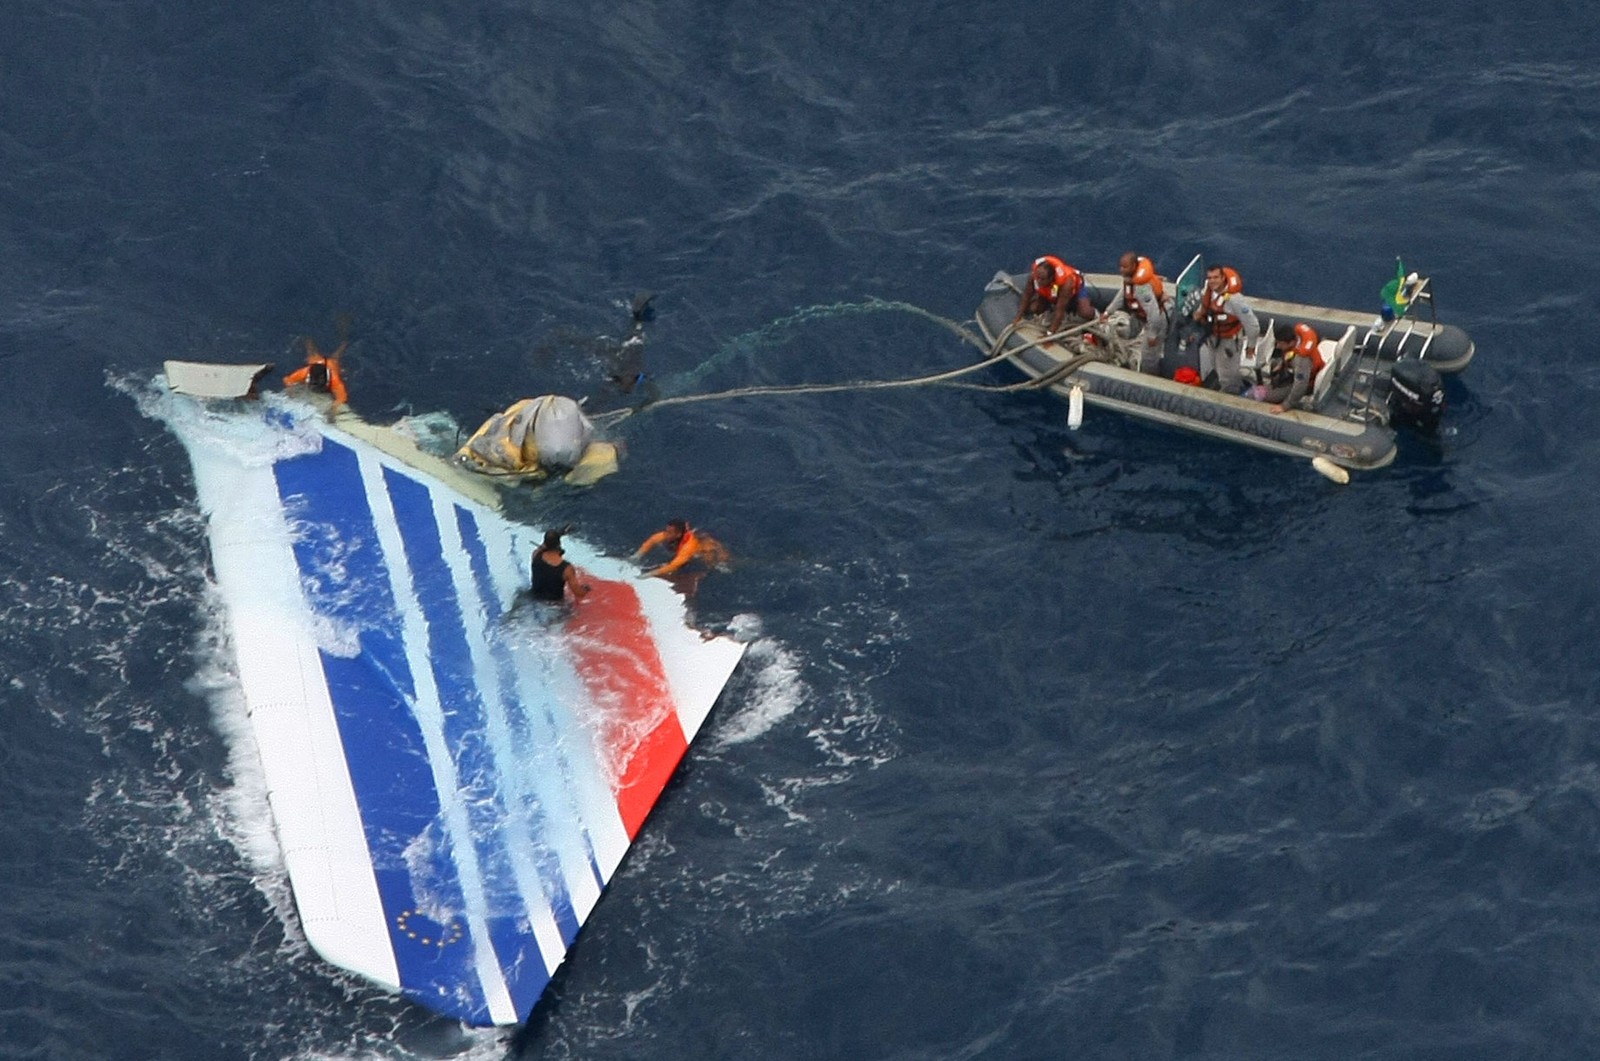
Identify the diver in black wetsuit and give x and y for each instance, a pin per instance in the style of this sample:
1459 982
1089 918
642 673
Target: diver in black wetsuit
626 368
552 575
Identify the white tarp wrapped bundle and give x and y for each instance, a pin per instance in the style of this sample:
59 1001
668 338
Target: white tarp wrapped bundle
536 436
560 431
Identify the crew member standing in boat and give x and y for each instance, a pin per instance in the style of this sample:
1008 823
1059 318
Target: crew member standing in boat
552 575
1229 317
1143 297
1054 285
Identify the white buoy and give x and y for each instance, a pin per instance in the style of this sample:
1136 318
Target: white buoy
1075 408
1329 470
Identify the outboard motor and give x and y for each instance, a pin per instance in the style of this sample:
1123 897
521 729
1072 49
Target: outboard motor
1416 394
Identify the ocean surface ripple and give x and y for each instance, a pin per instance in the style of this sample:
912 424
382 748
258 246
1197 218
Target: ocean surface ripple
1114 743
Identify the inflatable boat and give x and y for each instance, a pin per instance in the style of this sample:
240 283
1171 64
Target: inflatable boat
454 771
1381 371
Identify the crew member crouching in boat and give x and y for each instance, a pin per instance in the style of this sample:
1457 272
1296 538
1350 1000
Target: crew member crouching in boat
1230 318
1143 296
321 371
687 544
1295 366
552 575
1054 285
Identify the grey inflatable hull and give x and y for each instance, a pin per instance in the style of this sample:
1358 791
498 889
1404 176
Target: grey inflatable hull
1347 423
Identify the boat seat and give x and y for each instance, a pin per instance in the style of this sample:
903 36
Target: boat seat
1264 344
1333 362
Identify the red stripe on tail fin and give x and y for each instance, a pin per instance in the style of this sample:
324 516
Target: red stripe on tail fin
637 719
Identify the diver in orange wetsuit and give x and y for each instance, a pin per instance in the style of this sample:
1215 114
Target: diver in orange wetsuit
321 371
687 544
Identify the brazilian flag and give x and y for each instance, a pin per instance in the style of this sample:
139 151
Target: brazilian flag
1393 294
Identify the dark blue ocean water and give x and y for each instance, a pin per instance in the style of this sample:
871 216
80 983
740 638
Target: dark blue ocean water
1107 744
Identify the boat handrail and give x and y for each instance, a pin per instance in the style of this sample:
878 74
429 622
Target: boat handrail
1423 293
1378 334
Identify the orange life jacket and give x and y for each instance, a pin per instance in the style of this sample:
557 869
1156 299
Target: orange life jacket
1281 368
690 546
1065 282
320 373
1143 273
1306 345
1224 325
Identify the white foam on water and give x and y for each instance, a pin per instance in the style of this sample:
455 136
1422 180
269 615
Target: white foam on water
775 692
436 433
249 440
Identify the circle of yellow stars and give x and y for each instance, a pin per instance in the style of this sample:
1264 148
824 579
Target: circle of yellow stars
418 926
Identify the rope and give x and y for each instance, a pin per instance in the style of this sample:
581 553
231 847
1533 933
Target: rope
1048 379
1059 372
772 330
801 388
